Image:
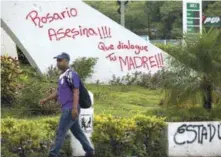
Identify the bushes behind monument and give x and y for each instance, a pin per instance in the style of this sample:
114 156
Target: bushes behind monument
22 87
10 71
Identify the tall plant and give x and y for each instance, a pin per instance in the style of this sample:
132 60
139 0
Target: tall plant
10 71
195 69
84 66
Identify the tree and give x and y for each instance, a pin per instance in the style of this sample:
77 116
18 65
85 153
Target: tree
108 8
135 16
152 10
195 69
213 9
171 19
164 18
10 73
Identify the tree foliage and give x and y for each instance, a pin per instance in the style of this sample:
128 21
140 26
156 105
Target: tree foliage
195 69
213 8
84 67
10 71
158 19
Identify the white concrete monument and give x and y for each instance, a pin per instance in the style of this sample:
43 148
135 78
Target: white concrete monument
8 47
44 29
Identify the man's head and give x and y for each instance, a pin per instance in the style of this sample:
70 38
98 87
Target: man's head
63 61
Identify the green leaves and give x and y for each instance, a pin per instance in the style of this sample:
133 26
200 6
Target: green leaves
84 66
213 8
10 72
193 66
26 135
112 136
129 135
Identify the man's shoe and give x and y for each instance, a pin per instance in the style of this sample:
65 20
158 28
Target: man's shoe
89 154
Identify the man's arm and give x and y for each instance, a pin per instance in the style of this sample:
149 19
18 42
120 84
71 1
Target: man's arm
50 97
75 98
76 86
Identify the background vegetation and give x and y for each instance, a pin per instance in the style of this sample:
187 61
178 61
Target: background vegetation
113 137
157 19
131 111
130 115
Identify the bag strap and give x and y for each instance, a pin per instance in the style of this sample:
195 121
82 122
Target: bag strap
68 78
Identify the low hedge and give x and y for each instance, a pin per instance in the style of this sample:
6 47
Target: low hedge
23 137
140 136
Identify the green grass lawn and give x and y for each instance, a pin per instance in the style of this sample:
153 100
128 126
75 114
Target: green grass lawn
123 100
113 99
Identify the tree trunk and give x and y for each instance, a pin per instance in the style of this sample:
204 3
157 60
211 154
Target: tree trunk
207 94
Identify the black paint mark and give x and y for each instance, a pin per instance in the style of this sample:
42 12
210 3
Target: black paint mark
219 131
188 128
212 133
201 133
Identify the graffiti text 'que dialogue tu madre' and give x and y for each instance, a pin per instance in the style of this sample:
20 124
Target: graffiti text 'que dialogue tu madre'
132 62
127 62
59 33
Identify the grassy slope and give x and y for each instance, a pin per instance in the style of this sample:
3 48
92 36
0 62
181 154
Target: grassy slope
115 100
123 100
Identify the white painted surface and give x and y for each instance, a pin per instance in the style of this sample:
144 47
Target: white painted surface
185 13
8 47
194 139
35 42
88 116
75 144
92 97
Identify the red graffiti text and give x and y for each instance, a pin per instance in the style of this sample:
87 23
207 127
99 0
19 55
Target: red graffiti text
40 21
136 62
58 34
128 46
103 47
123 46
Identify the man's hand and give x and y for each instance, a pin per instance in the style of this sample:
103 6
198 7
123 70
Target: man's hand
50 97
43 101
74 113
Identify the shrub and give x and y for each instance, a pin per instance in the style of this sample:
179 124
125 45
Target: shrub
31 87
149 133
196 67
6 153
114 132
129 136
21 136
30 138
84 67
116 80
10 72
32 93
153 81
53 73
147 80
129 79
112 137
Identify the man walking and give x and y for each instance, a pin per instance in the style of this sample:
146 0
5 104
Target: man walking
69 99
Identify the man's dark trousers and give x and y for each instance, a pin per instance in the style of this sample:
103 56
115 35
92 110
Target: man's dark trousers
66 123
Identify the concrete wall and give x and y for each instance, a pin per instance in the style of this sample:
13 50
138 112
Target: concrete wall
43 30
194 139
8 47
